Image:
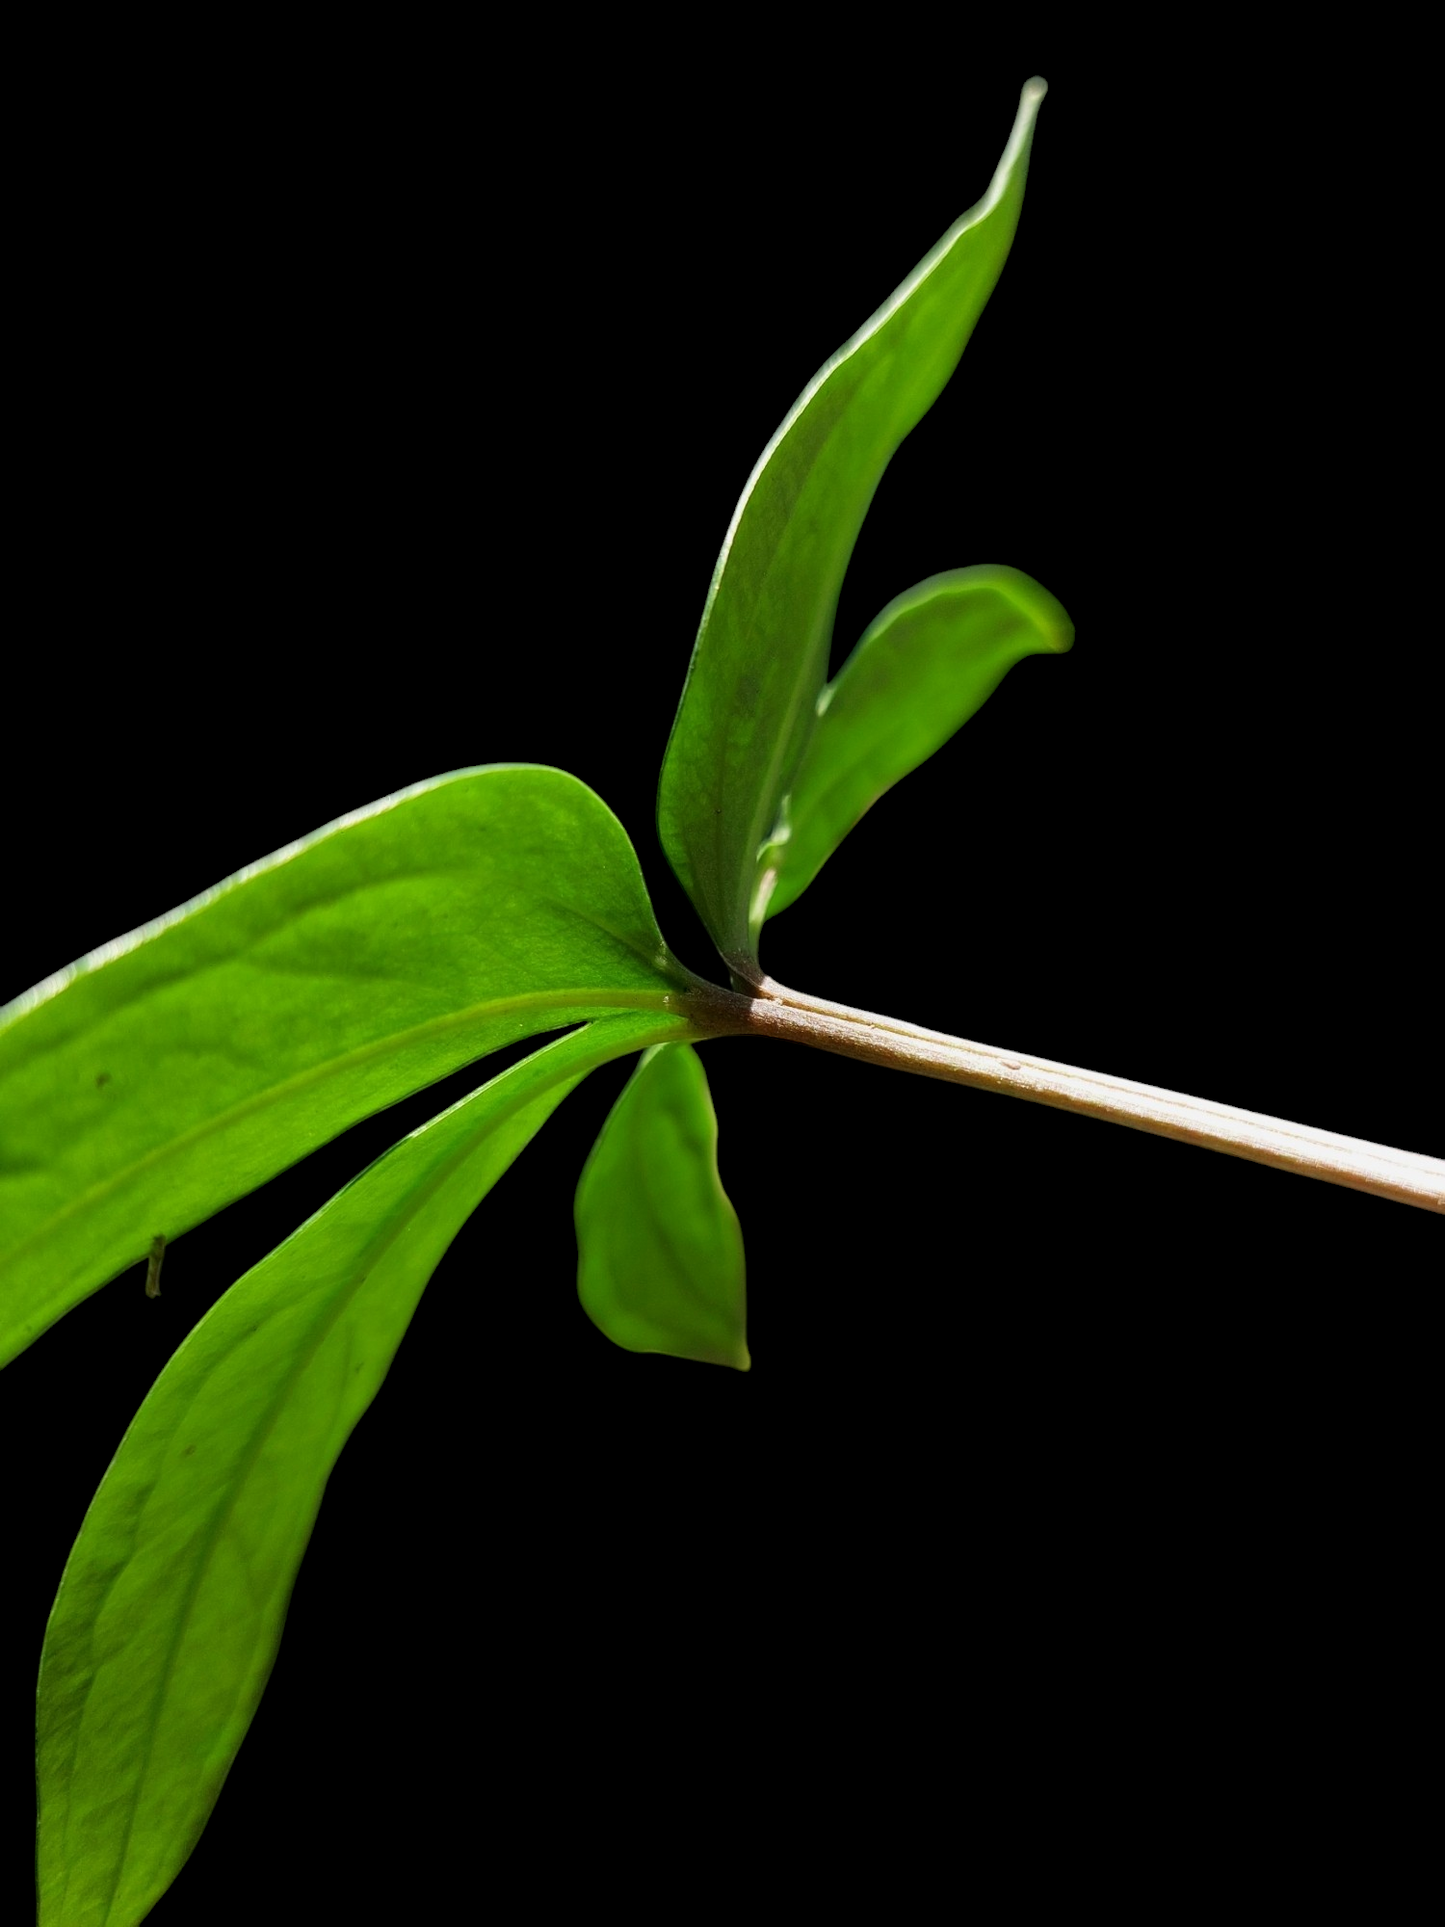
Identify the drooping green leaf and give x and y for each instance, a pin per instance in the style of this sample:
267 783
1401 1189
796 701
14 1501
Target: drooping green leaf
178 1068
922 667
660 1252
762 650
171 1608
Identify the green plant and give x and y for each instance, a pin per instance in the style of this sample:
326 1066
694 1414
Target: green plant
176 1070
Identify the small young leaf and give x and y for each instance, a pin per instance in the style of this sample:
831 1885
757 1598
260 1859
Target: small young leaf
927 663
762 650
660 1252
180 1067
171 1608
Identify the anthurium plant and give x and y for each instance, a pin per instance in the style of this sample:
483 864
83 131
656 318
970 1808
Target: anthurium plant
182 1066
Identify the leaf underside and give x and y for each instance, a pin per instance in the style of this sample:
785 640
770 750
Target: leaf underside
762 650
172 1604
924 665
660 1252
177 1069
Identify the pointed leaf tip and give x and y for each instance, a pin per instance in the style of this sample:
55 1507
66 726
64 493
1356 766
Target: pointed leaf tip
174 1598
660 1251
923 667
762 648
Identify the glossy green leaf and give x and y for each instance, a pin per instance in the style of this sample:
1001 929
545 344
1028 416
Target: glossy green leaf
923 666
660 1252
762 651
178 1068
171 1608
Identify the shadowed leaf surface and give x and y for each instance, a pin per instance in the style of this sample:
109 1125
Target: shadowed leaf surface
180 1067
660 1252
172 1604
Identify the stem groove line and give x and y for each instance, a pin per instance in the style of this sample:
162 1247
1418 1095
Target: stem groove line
1408 1177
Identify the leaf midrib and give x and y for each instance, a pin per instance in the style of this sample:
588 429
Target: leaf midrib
335 1067
368 1261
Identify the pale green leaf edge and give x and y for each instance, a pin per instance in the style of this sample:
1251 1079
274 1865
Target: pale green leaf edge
22 1322
731 927
87 1743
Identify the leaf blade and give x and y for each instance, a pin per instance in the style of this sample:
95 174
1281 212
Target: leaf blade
762 649
178 1068
924 665
172 1604
660 1252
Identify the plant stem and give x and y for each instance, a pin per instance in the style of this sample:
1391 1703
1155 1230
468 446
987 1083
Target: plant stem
773 1011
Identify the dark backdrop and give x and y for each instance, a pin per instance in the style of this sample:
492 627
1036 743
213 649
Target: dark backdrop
389 411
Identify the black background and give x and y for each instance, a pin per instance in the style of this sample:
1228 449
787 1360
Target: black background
389 406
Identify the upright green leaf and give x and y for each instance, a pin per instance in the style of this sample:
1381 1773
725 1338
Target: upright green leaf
172 1604
922 667
762 651
178 1068
660 1253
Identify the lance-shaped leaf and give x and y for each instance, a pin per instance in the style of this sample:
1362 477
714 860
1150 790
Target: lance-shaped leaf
660 1252
921 668
762 650
180 1067
172 1604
